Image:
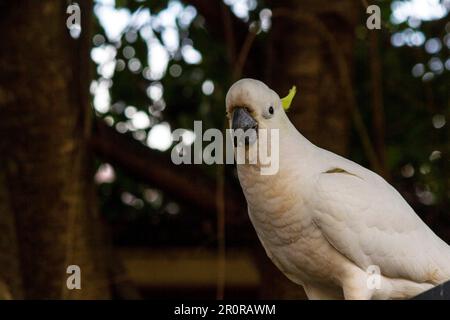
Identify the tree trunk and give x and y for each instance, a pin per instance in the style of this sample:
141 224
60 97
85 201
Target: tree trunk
10 277
301 55
44 102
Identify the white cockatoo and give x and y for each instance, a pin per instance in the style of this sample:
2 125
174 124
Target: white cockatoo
329 224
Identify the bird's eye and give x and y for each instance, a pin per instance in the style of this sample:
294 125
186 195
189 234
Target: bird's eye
268 112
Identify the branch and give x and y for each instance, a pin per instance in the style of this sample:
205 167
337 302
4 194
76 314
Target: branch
243 54
185 182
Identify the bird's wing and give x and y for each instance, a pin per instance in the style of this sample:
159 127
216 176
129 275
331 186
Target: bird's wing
370 223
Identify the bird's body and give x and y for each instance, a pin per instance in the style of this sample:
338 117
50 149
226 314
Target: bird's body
327 222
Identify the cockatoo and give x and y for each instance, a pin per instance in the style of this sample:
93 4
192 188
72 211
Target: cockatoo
329 224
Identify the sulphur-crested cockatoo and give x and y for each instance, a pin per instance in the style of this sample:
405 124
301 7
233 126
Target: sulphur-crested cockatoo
329 224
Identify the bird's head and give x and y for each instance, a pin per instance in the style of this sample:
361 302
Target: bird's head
251 104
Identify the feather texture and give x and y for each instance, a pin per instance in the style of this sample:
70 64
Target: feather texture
326 221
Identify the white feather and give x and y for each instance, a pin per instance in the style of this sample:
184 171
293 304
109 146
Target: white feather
324 220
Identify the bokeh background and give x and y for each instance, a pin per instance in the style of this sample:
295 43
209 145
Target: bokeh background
87 115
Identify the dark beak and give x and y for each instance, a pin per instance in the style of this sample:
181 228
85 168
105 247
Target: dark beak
243 120
248 126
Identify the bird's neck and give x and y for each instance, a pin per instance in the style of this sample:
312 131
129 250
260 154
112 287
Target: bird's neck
291 155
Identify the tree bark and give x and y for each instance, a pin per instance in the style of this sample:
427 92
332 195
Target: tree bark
44 102
10 277
301 56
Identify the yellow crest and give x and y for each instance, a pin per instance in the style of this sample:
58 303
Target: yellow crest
286 101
